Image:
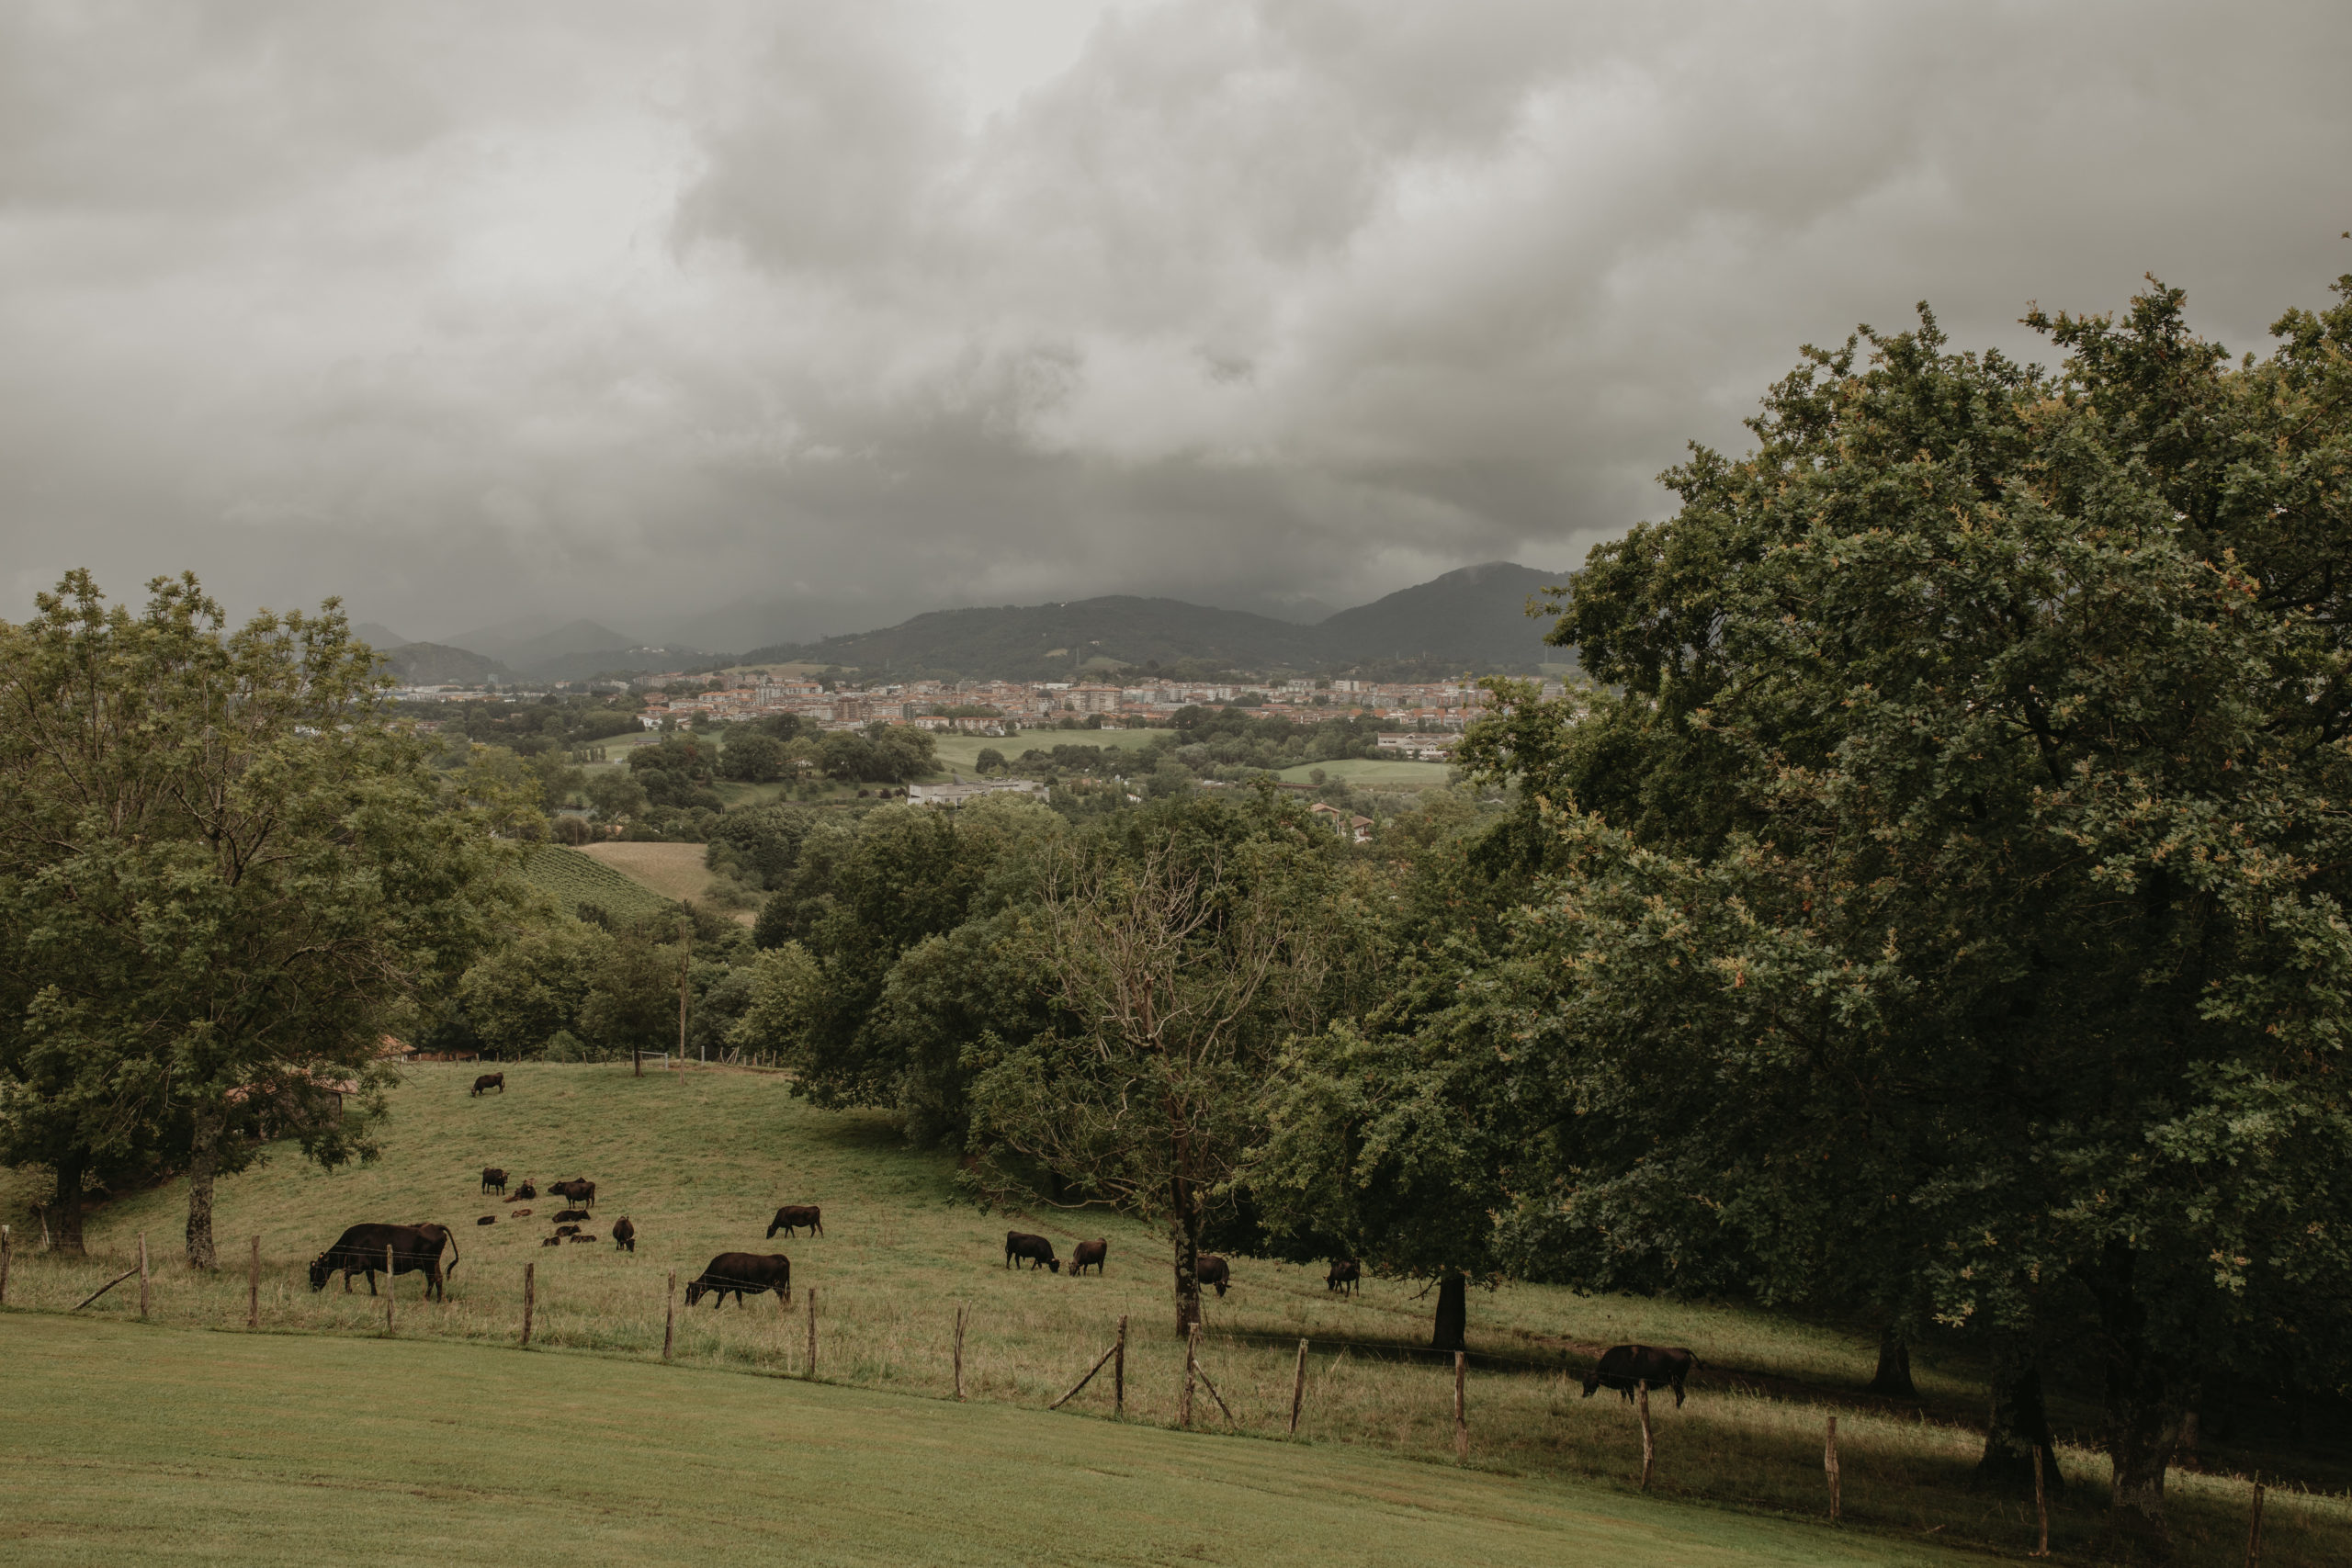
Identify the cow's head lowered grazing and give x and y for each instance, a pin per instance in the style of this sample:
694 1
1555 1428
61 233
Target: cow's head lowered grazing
318 1272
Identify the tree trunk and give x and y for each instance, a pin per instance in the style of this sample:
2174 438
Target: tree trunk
1453 1314
1892 1378
203 1165
2018 1424
1188 1275
2146 1399
65 1212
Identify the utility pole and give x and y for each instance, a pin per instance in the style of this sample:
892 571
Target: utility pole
685 953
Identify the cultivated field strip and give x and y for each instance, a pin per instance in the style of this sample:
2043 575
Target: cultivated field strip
698 1160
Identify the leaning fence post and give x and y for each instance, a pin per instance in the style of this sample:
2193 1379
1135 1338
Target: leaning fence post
1829 1466
252 1287
670 1317
2253 1527
2041 1507
391 1287
1192 1357
960 1352
142 1276
1298 1389
812 1332
1649 1454
530 1271
1461 1417
1119 1372
5 1242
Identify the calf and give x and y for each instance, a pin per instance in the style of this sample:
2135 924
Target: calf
1213 1271
487 1220
580 1237
493 1179
561 1215
361 1249
792 1216
1089 1255
490 1081
567 1230
745 1273
525 1192
1345 1275
1035 1248
624 1235
552 1241
1621 1367
519 1214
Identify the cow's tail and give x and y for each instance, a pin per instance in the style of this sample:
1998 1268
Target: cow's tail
445 1273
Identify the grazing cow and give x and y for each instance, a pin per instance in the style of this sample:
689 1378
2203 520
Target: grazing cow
579 1191
1090 1254
624 1235
493 1179
525 1192
360 1250
1621 1366
488 1081
567 1230
579 1237
563 1214
1213 1271
1345 1275
1035 1248
518 1214
552 1241
792 1216
487 1220
743 1273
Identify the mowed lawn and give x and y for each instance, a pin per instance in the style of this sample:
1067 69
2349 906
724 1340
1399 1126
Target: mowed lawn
131 1444
673 871
699 1160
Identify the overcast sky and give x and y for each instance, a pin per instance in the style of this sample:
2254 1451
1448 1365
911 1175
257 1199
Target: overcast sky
768 320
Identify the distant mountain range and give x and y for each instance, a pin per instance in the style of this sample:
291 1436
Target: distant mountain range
1473 619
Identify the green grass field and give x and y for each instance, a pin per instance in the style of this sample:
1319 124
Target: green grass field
962 752
1380 772
699 1159
167 1446
572 878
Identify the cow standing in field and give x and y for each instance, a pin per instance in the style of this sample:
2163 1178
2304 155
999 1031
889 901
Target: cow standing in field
1621 1367
1345 1275
792 1216
581 1191
743 1273
360 1250
1213 1271
624 1235
493 1180
490 1081
1035 1248
1089 1255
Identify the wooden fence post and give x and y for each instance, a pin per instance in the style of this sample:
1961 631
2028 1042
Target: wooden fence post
1119 1372
1099 1362
5 1242
812 1333
391 1287
1191 1356
530 1292
1829 1466
670 1316
252 1287
1649 1452
960 1352
2253 1527
1461 1416
2041 1508
142 1276
1298 1389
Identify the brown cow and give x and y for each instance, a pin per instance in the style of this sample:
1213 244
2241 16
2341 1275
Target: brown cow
580 1237
578 1189
1213 1271
552 1241
525 1192
567 1230
742 1272
1621 1367
490 1081
561 1215
1345 1275
493 1179
792 1216
1035 1249
361 1250
487 1220
624 1235
1089 1255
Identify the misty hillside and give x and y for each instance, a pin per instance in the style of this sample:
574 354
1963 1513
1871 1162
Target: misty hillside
1473 619
438 664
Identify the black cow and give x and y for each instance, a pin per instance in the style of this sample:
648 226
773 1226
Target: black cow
525 1192
493 1179
579 1191
487 1220
743 1273
1621 1366
552 1241
624 1234
1035 1248
567 1230
792 1216
360 1250
490 1080
1345 1275
1213 1271
562 1215
1089 1255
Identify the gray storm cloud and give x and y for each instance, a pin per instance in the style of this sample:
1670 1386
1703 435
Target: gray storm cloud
740 321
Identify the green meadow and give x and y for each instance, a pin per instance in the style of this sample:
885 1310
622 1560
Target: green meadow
698 1160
